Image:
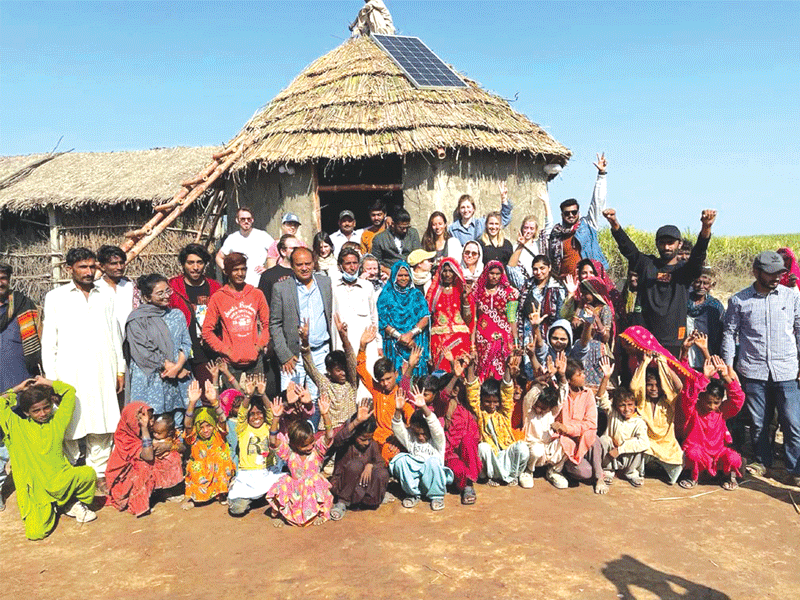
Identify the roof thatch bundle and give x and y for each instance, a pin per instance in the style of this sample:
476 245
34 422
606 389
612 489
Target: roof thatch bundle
74 180
354 103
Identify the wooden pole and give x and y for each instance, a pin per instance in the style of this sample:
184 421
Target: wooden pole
315 187
153 229
361 187
56 252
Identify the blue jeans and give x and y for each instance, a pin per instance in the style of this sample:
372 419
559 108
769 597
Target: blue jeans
763 397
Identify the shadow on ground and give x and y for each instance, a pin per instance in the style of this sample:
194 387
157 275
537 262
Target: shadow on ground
627 574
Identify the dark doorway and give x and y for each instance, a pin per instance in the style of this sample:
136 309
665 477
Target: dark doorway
355 185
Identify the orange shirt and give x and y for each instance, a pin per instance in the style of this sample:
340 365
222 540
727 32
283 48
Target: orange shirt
366 238
570 258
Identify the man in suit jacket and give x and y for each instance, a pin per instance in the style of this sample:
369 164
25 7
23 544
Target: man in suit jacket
396 242
305 297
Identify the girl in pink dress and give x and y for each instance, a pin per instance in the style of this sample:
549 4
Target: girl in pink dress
302 496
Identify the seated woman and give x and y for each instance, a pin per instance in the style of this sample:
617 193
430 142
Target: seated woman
43 477
133 471
403 318
451 315
160 345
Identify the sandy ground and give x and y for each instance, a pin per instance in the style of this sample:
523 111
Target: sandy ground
541 543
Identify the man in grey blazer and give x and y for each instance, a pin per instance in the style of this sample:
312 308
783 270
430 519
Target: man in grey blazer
304 297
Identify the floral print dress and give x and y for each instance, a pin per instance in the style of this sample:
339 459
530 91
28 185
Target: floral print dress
210 469
303 494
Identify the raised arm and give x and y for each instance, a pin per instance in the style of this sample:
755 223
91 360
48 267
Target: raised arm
626 246
361 360
598 203
505 206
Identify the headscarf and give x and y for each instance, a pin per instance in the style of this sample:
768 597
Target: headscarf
468 275
436 286
566 326
227 398
601 273
597 288
204 415
400 307
794 268
641 339
127 442
148 338
505 290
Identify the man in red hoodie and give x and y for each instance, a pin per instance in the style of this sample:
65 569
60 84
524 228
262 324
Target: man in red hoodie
191 293
242 314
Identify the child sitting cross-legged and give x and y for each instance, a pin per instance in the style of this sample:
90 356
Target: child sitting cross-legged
360 476
210 469
503 457
576 427
625 440
541 406
302 496
43 477
136 468
420 470
707 437
257 471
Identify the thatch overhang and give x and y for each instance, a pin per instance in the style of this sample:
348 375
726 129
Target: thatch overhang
355 103
76 180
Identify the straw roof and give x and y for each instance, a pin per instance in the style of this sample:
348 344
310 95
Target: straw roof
354 102
75 180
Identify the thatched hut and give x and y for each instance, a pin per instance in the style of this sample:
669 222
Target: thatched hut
352 127
50 203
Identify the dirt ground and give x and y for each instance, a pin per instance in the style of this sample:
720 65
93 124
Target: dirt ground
648 543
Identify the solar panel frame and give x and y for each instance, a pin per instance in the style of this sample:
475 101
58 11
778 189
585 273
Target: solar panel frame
424 69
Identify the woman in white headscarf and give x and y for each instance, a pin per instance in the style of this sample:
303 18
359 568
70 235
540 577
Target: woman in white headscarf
471 263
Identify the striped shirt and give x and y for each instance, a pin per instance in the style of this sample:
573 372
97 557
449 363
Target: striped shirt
768 328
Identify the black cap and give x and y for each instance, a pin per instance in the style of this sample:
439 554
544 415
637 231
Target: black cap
668 231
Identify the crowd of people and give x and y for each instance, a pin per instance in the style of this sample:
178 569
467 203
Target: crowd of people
319 375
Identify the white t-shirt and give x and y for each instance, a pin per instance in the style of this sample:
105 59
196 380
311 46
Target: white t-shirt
255 247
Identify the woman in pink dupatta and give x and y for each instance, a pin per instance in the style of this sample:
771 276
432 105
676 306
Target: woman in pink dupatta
496 302
451 315
791 277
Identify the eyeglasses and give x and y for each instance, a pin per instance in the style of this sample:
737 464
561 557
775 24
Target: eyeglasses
569 213
165 294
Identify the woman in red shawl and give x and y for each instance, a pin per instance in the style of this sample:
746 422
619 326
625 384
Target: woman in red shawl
133 471
451 315
791 277
496 302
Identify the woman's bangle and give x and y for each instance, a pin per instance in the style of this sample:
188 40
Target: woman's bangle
416 331
147 443
189 415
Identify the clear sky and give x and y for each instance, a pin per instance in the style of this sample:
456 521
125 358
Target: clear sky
695 104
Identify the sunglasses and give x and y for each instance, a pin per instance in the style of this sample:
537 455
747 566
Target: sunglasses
245 218
569 213
470 253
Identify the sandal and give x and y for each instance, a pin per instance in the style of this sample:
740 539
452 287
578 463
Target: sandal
730 484
492 483
468 496
437 504
756 469
410 501
338 511
687 484
636 481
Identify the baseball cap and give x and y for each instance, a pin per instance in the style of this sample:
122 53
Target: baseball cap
668 231
417 256
347 214
290 218
769 261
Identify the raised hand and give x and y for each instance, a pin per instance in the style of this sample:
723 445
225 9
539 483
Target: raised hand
601 164
143 417
302 331
561 363
249 386
700 340
305 395
277 408
223 366
513 365
417 398
571 283
292 393
535 317
719 366
243 383
606 366
261 383
503 191
708 368
341 326
324 403
213 369
550 366
414 356
611 216
194 392
460 365
707 218
365 410
211 393
369 335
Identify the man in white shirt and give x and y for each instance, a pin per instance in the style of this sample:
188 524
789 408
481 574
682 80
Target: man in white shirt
347 232
253 243
111 261
81 346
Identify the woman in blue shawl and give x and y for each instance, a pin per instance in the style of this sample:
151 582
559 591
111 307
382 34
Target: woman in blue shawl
403 317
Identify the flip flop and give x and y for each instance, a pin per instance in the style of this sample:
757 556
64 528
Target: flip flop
410 501
687 484
468 496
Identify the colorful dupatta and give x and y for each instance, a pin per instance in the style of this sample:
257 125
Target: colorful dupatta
794 268
495 315
641 339
402 308
450 335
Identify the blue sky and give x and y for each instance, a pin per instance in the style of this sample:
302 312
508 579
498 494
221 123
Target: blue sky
695 104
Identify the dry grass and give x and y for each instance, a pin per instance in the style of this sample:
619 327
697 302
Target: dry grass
354 102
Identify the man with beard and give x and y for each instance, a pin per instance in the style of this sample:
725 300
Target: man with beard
111 260
191 293
664 281
396 242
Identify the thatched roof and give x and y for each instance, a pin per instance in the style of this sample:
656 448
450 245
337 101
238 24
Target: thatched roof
354 102
76 180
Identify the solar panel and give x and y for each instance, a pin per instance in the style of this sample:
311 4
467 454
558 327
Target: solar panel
418 62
